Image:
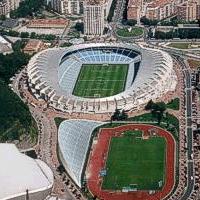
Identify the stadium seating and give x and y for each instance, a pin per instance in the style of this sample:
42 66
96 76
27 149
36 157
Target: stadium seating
53 73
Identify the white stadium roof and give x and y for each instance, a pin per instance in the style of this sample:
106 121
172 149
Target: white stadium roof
73 140
52 75
19 173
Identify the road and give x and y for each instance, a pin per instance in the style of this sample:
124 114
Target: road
46 147
188 113
188 116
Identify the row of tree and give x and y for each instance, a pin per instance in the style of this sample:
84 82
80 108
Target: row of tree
178 33
31 35
148 22
119 115
112 10
157 110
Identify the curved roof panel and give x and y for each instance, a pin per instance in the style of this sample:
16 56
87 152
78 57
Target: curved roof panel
73 139
19 173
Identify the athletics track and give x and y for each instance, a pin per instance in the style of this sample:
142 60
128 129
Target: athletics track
97 162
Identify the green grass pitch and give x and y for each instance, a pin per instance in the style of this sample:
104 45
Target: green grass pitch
99 80
135 162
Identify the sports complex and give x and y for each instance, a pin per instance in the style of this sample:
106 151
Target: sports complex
129 161
100 77
113 161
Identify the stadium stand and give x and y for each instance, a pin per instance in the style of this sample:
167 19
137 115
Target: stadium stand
52 75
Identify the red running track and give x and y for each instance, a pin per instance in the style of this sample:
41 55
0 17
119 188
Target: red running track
97 162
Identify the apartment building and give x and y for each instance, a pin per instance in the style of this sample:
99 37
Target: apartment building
7 5
94 14
161 9
158 10
134 10
67 7
187 11
3 8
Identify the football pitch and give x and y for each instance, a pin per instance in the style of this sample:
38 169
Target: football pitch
101 80
135 163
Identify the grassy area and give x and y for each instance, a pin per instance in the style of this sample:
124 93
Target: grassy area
58 121
135 162
194 63
97 80
74 34
169 122
137 133
134 32
182 45
173 104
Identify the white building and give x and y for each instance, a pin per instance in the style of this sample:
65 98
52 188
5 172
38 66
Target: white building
67 7
22 177
8 5
93 18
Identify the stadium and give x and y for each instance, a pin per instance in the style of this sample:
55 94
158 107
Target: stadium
129 161
100 77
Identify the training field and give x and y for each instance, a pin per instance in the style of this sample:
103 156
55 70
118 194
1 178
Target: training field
100 80
135 162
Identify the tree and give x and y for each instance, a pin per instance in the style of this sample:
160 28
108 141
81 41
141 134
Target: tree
24 34
162 106
131 22
18 45
33 35
105 31
160 35
79 26
49 37
13 33
2 17
119 115
112 10
149 105
157 109
148 22
116 115
15 117
123 116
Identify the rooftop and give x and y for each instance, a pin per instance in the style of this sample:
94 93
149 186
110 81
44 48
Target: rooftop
19 173
48 22
33 45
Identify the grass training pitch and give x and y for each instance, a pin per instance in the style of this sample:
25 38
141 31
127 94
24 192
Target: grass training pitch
136 163
101 80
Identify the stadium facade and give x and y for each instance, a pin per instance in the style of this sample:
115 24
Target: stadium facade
53 73
23 177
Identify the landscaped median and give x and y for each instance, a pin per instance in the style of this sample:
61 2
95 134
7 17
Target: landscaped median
130 32
184 45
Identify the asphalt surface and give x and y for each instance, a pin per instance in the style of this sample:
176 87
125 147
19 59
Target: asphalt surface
188 107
